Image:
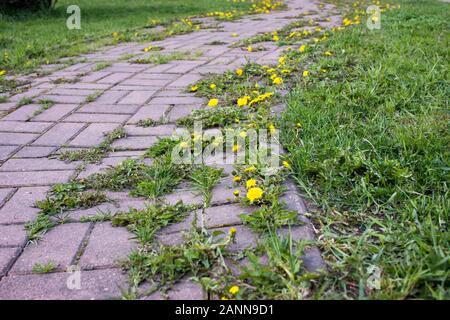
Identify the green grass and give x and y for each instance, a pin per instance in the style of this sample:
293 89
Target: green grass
43 268
372 154
159 58
30 39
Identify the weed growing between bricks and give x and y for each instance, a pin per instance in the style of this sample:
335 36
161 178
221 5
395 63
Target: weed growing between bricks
95 154
159 58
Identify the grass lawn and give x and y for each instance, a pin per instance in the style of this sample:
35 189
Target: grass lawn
373 155
30 39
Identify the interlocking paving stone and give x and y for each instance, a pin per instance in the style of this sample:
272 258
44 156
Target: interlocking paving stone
20 126
181 111
7 256
4 193
29 178
55 113
96 107
13 138
153 112
12 235
19 208
59 246
114 78
34 152
107 246
59 134
6 151
64 99
135 143
97 117
36 165
137 97
95 284
111 97
93 135
162 130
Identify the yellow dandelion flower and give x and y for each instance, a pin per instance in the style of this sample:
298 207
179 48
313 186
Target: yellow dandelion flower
212 86
286 165
242 101
250 169
272 128
254 194
277 81
234 35
239 72
2 72
243 134
328 53
302 48
237 179
249 49
194 88
235 148
236 193
224 298
305 73
232 231
213 102
234 290
250 183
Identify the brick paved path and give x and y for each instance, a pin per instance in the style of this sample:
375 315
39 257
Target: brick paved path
132 92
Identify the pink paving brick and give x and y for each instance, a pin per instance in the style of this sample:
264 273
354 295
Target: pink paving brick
111 97
7 257
55 113
154 112
137 97
64 99
4 194
181 111
34 152
163 130
20 126
12 235
36 165
93 135
20 208
97 117
34 178
177 100
115 78
107 246
59 134
185 80
60 246
96 107
7 138
135 143
95 284
7 151
146 82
